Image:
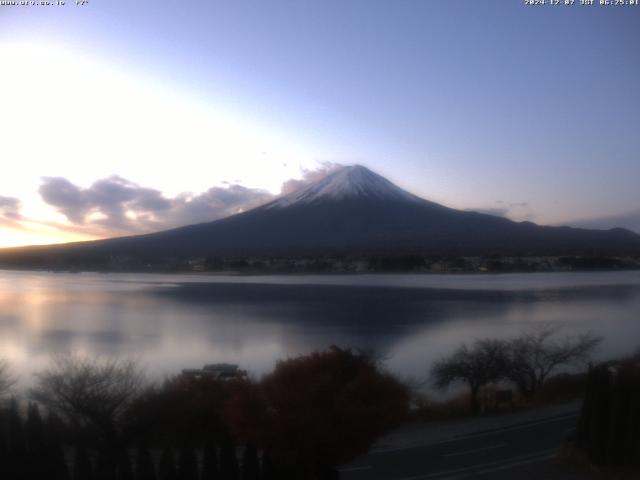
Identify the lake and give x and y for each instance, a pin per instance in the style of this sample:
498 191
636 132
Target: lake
170 322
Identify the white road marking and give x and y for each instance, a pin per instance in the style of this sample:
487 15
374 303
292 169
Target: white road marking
499 468
356 469
483 468
475 435
475 450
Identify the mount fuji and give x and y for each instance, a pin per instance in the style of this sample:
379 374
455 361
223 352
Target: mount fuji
352 210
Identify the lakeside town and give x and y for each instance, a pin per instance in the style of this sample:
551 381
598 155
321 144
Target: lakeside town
365 264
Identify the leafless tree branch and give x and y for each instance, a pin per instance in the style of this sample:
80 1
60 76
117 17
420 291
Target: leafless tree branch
89 391
535 354
7 381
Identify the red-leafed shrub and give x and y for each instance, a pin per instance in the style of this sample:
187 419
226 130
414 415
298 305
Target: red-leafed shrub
319 410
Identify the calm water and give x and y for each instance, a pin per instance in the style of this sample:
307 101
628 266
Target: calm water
170 322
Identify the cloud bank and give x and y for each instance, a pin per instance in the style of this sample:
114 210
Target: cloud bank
117 206
309 176
519 211
10 210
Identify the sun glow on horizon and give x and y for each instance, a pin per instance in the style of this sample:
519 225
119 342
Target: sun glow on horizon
39 235
69 115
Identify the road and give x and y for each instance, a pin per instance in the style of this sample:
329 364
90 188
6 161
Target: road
523 451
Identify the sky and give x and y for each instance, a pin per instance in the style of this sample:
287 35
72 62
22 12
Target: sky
126 117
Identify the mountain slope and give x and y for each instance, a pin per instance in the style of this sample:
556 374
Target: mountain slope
353 210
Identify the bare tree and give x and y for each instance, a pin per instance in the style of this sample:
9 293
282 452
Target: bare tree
534 355
482 363
7 381
92 393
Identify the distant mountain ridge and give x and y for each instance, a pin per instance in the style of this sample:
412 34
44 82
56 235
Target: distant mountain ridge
352 210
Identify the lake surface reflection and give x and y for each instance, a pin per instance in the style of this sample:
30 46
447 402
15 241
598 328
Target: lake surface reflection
170 322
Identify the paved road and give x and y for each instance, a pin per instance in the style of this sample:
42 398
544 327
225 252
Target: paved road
514 452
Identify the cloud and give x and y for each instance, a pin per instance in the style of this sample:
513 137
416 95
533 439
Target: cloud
224 201
496 212
518 211
629 220
309 176
10 210
117 205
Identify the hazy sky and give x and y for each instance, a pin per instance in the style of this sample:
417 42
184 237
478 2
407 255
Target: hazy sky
119 117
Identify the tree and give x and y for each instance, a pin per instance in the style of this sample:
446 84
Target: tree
7 381
82 468
190 407
4 452
187 464
318 410
210 462
124 470
250 463
92 394
229 469
35 430
267 468
609 426
56 461
18 465
167 466
144 465
106 466
36 443
482 363
534 355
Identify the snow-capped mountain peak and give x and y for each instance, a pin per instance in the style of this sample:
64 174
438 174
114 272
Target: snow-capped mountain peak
353 181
